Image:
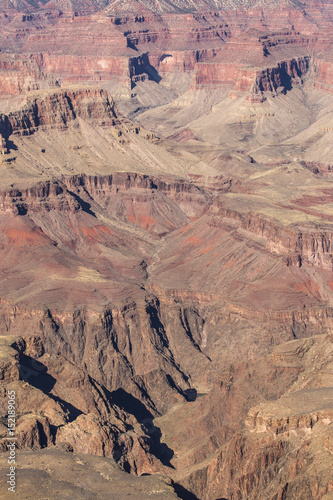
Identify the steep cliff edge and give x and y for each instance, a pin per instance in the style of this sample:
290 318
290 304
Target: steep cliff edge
106 275
102 242
59 109
46 387
60 407
285 453
166 291
145 46
280 78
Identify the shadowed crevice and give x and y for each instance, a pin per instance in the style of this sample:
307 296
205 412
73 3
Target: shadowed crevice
183 493
35 373
83 204
130 404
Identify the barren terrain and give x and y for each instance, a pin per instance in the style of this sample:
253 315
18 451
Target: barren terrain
166 232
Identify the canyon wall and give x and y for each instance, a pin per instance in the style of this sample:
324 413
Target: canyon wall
166 292
59 109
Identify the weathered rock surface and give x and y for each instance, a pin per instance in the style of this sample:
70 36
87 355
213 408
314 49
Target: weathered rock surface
59 404
278 449
166 292
58 474
59 109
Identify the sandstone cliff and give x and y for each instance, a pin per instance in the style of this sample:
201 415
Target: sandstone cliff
166 292
59 109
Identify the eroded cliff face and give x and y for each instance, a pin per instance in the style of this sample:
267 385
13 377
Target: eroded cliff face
166 293
126 365
64 407
59 110
243 78
100 278
132 48
297 247
325 72
166 301
268 451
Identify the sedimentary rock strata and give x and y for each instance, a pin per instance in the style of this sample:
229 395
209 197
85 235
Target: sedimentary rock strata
166 292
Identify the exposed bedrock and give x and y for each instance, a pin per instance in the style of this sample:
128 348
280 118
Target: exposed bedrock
245 79
324 73
116 194
127 333
60 405
131 197
209 66
18 75
80 69
129 342
59 109
157 65
282 77
312 246
127 350
129 48
228 445
45 70
167 303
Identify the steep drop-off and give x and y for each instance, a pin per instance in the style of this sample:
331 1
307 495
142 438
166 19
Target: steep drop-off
166 292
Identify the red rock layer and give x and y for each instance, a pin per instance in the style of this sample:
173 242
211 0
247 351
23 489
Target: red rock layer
243 79
164 44
296 246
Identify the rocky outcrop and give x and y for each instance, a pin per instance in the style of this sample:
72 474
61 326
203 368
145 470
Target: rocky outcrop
282 77
123 49
18 75
166 294
296 245
319 168
270 461
129 48
73 194
59 404
9 365
34 432
217 74
43 197
245 79
59 109
80 69
138 296
324 74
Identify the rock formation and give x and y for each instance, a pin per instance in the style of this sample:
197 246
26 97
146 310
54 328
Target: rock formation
166 292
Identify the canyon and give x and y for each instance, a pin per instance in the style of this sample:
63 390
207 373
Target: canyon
166 208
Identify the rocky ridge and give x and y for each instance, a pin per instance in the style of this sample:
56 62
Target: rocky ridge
173 265
266 444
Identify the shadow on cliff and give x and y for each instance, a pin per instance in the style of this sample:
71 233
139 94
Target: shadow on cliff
11 145
85 206
130 404
183 493
153 73
35 373
131 45
286 81
142 66
160 450
135 407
